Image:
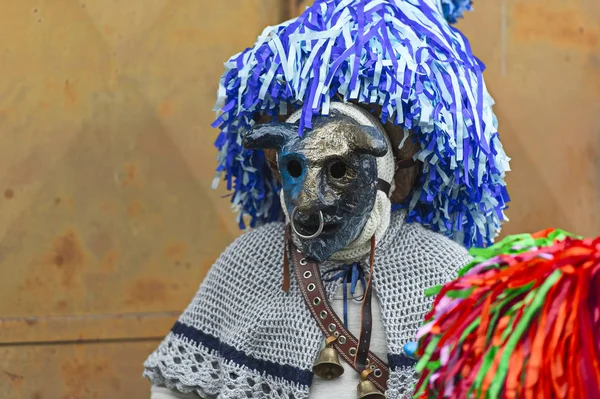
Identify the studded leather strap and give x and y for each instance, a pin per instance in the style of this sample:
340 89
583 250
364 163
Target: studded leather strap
308 275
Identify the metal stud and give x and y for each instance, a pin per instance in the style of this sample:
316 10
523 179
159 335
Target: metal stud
332 327
311 287
377 373
372 367
342 340
352 351
307 274
316 301
323 314
336 334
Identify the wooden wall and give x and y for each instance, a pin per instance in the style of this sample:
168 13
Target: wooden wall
107 219
543 70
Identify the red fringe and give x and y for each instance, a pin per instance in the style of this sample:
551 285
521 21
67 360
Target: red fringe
558 353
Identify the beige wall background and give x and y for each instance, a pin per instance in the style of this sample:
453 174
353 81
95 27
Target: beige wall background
543 59
107 219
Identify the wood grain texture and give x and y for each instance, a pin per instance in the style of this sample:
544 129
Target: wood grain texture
543 70
107 155
77 371
108 223
86 328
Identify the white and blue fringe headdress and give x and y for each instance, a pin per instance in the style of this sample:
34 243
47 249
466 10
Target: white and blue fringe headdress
399 54
454 9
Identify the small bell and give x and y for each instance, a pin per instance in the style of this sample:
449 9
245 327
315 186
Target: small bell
367 390
328 364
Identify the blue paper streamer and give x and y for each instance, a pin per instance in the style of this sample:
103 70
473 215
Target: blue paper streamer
454 9
400 54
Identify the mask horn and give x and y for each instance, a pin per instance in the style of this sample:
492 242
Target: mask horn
270 136
367 140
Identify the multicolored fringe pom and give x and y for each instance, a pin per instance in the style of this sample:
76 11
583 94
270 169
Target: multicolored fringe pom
521 321
399 54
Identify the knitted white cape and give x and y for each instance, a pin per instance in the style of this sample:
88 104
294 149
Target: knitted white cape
243 337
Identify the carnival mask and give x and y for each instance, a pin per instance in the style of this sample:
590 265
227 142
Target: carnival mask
329 178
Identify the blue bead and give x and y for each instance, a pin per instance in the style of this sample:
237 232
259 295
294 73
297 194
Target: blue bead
410 349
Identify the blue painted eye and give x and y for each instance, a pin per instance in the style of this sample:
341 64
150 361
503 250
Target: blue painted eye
294 168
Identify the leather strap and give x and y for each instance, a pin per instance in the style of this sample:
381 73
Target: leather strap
285 283
405 163
384 186
366 318
308 276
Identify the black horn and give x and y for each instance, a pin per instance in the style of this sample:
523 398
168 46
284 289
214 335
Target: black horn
270 136
367 140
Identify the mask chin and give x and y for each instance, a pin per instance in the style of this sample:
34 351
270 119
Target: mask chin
318 250
324 246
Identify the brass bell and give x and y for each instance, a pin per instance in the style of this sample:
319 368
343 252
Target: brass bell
367 390
328 364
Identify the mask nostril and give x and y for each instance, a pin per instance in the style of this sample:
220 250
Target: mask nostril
294 168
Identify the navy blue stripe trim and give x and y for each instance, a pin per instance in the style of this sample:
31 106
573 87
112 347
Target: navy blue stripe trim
286 372
396 361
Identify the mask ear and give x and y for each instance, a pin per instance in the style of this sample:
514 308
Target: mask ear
367 140
270 136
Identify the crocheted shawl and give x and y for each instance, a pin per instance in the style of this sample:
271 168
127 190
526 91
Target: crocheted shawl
242 336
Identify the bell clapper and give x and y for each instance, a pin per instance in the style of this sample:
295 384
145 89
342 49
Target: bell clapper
328 363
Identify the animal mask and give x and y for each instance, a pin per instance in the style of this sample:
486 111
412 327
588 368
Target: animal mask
329 178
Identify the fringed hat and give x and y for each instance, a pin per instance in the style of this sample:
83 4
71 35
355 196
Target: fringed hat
454 9
404 59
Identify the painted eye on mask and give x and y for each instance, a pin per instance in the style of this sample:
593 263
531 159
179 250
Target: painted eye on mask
294 168
337 170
